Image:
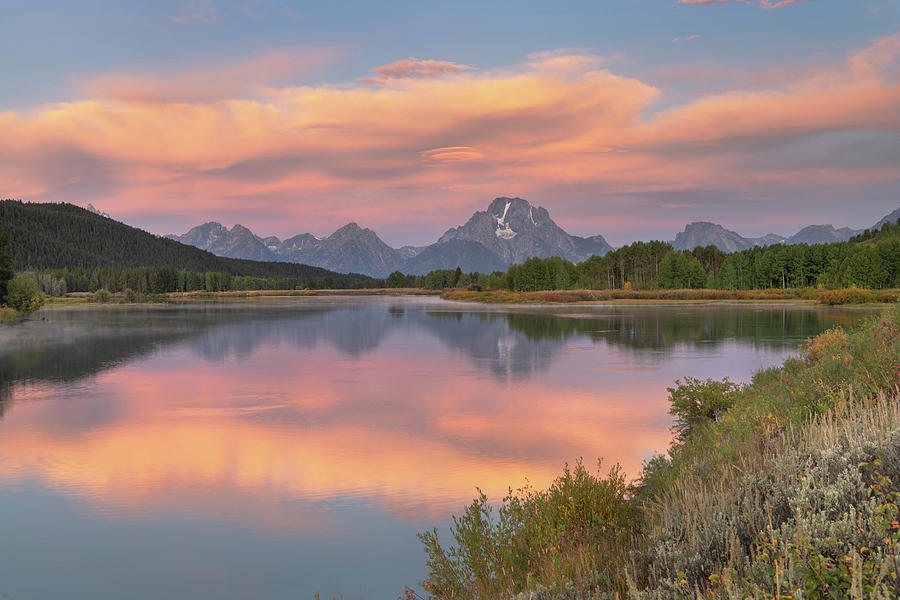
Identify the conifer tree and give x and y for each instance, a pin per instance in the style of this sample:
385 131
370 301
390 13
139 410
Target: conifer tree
6 272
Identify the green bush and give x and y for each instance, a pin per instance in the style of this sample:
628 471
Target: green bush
575 532
694 402
829 344
102 296
23 294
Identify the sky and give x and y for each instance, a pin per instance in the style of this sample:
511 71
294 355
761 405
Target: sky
623 118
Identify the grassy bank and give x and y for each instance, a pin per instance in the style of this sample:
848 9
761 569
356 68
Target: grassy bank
821 296
848 296
123 298
782 488
306 293
8 315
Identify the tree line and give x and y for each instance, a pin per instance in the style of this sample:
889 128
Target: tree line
871 260
164 279
63 237
17 292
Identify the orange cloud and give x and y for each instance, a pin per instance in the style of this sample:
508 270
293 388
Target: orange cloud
452 154
559 121
413 68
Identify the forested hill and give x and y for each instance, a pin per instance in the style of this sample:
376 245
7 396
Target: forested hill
64 236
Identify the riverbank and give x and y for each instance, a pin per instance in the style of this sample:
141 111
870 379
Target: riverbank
852 296
121 298
8 315
780 488
830 297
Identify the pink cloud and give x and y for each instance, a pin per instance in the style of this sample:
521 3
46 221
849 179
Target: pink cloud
413 68
452 154
560 124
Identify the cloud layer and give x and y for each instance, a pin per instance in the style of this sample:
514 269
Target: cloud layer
434 136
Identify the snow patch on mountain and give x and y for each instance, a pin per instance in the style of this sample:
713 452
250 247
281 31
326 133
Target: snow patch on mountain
503 229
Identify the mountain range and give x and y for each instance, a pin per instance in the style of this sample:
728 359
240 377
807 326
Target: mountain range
509 231
704 233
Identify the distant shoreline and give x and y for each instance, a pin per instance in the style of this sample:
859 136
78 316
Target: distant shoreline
548 297
680 296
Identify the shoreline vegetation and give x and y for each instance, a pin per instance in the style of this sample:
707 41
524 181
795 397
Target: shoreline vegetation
819 296
786 487
849 296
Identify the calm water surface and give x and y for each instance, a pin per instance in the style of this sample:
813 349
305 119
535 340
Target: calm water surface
276 448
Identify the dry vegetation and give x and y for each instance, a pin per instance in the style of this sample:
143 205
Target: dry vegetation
832 297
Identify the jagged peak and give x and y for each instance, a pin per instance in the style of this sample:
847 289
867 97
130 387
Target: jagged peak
350 227
210 224
698 224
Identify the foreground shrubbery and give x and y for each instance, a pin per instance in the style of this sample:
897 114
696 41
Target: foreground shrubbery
576 530
780 488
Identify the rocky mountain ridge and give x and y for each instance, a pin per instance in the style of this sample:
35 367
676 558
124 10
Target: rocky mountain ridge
508 231
704 233
511 230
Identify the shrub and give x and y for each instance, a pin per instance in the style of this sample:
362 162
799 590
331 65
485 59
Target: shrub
831 343
23 294
575 532
694 402
806 521
852 295
102 296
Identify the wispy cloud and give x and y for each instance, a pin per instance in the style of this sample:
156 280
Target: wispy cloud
227 82
262 9
196 11
452 154
766 4
413 68
686 39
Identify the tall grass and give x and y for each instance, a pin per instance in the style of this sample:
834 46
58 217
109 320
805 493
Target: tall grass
8 315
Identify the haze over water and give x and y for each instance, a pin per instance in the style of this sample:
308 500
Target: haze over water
276 448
